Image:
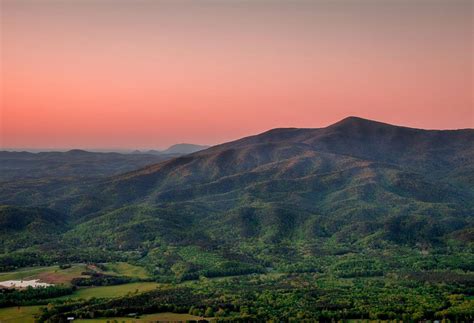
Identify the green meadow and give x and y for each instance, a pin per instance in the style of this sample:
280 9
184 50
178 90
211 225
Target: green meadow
21 314
58 276
126 269
111 291
159 317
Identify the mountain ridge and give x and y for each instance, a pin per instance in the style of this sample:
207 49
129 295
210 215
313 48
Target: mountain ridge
357 185
283 180
309 133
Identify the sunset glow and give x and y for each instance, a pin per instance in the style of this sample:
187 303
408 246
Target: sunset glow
148 74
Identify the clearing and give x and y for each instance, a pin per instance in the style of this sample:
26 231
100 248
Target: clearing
159 317
111 291
50 274
22 314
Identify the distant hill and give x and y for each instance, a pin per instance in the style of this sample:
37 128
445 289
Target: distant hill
175 150
72 163
184 149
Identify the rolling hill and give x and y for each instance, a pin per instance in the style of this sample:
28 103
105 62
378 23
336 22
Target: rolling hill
77 163
74 163
22 227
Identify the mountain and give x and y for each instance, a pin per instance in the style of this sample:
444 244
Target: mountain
183 149
353 185
352 176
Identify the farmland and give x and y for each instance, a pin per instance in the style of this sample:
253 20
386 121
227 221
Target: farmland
65 277
111 291
126 269
49 274
378 290
23 314
161 317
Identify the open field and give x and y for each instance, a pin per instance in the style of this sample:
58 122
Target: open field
159 317
56 275
25 314
22 314
111 291
125 269
50 274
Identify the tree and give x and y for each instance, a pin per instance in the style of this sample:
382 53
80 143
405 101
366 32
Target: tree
220 312
209 312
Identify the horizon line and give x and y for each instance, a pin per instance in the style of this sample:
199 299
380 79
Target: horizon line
145 149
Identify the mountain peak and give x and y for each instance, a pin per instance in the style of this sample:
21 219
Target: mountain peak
353 121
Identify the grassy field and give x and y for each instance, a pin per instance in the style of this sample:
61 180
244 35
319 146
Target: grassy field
56 275
23 314
173 317
125 269
160 317
25 273
111 291
50 274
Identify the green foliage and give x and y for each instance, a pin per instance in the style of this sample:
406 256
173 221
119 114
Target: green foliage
287 297
32 296
99 279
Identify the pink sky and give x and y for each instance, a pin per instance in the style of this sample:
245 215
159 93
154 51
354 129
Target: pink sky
148 74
